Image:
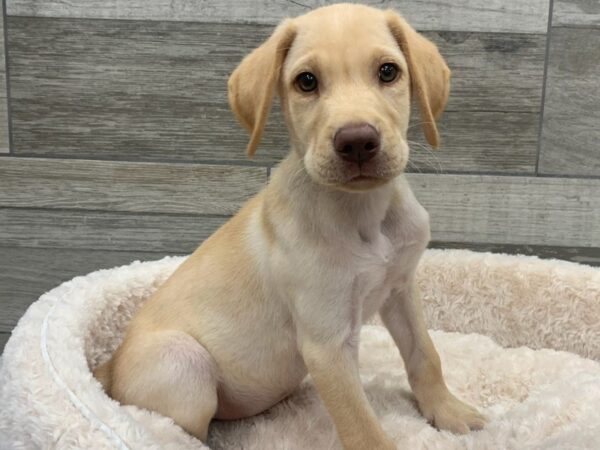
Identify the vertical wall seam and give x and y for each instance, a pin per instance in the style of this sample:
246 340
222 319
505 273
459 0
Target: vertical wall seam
7 81
544 83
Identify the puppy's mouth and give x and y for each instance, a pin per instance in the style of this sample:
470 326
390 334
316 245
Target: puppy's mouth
355 178
331 170
387 164
368 171
362 178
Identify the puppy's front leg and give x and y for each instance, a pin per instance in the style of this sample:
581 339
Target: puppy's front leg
334 370
403 316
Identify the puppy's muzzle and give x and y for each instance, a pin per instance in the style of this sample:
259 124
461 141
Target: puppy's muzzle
357 143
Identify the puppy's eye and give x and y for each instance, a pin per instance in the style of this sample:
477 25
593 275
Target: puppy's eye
306 81
388 72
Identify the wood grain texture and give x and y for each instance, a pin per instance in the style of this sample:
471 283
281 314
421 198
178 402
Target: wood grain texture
27 273
127 186
149 91
493 71
511 210
478 141
571 132
182 234
576 12
72 229
492 117
156 91
4 140
469 15
464 208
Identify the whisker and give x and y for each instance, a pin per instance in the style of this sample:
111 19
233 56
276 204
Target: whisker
418 124
413 165
429 157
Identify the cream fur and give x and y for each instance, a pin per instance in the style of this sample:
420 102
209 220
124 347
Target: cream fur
283 288
534 399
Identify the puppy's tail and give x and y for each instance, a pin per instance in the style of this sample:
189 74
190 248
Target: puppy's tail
103 374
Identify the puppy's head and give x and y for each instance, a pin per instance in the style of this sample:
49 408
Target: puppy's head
345 75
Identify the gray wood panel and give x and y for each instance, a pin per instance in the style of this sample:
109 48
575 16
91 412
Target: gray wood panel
576 12
27 273
466 208
492 117
571 132
497 72
127 186
72 229
129 90
4 140
471 15
155 91
511 210
478 141
182 234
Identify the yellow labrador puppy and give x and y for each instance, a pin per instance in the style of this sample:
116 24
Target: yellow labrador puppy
283 287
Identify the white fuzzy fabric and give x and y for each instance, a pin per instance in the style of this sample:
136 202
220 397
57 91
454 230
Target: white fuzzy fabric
516 300
533 398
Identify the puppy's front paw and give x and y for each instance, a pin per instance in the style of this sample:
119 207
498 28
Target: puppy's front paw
449 413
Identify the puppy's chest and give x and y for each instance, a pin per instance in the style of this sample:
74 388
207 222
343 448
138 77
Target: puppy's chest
381 264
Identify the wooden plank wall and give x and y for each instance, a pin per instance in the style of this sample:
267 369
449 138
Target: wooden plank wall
116 142
4 138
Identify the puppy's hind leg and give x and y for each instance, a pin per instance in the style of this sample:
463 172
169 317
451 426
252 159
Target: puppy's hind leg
168 372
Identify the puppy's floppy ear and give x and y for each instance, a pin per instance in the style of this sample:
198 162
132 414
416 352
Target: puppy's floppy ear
253 83
429 74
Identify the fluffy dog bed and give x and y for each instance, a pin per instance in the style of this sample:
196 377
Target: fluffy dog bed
533 398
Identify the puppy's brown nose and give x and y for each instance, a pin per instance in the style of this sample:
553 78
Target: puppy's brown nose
356 143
